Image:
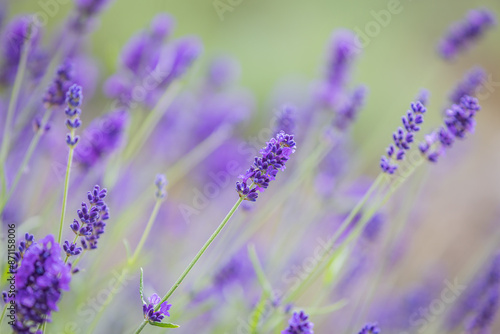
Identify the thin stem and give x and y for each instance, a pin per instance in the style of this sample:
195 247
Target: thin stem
195 259
13 102
66 186
27 157
3 314
146 232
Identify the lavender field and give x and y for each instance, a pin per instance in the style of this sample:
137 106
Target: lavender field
249 167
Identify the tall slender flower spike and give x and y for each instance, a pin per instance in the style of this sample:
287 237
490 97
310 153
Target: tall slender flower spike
40 279
74 101
370 329
265 168
299 324
463 33
403 137
469 84
459 120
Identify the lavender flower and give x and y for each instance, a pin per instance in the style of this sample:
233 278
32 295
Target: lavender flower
459 121
403 137
370 329
86 10
463 33
102 137
342 53
41 277
149 309
299 324
56 94
74 101
222 71
265 168
346 115
469 85
91 224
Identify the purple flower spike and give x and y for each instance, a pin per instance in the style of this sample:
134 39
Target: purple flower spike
299 324
463 33
265 168
149 309
74 100
161 183
40 279
223 71
403 138
459 120
370 329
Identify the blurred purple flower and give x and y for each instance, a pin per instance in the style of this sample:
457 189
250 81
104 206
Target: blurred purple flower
463 33
101 138
56 94
347 114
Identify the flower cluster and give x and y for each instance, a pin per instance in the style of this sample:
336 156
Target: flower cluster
370 329
469 85
403 137
56 94
74 101
40 279
149 309
465 32
459 120
299 324
265 168
91 224
101 138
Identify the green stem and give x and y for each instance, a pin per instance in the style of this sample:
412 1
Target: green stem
146 232
66 187
3 314
195 259
27 157
13 103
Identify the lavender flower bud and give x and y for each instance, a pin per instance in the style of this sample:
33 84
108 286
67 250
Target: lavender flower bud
469 84
370 329
149 309
161 183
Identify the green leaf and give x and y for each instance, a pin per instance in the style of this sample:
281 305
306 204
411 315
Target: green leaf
164 324
141 287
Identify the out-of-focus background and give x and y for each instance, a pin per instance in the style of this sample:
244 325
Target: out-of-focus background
281 45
